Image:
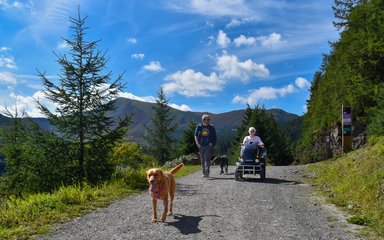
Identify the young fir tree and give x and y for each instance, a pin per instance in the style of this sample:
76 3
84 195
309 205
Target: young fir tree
82 98
187 140
159 136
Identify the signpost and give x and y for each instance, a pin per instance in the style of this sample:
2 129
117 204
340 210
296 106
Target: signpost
347 129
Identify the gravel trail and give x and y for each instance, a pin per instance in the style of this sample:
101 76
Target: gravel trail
281 207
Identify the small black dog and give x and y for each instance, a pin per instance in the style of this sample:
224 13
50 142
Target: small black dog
223 161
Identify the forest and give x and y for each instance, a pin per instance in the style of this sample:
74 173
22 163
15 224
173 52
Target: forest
350 75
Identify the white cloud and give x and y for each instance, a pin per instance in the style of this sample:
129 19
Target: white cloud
243 40
211 7
138 56
271 41
153 66
209 24
191 84
230 67
235 22
27 104
62 45
152 99
302 83
264 93
11 4
7 62
222 39
48 17
132 40
7 78
4 49
181 107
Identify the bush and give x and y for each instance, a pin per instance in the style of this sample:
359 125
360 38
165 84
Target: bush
131 155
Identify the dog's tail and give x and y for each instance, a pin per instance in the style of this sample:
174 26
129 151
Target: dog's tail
177 168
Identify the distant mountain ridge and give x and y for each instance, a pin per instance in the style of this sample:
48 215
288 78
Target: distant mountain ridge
225 123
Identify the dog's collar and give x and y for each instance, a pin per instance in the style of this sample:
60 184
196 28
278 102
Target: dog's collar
157 193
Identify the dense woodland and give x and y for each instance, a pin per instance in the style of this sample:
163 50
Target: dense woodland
351 74
84 149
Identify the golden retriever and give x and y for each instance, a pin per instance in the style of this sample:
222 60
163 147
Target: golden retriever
162 184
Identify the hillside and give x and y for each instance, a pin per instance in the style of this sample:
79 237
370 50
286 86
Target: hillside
355 183
225 123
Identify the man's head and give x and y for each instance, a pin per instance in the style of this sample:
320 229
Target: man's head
206 119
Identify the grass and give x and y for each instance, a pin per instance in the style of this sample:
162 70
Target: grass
355 182
25 218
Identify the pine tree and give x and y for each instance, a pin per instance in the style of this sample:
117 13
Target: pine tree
187 141
159 136
342 10
82 99
270 133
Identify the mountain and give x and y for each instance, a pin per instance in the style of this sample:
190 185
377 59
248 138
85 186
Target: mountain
225 123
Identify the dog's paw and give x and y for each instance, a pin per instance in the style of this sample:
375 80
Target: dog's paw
154 220
169 213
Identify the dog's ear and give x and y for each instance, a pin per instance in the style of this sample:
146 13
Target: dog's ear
161 174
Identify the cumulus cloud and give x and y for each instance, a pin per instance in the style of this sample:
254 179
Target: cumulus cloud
26 104
230 67
222 39
243 40
138 56
191 83
153 66
7 78
263 93
273 40
132 40
302 83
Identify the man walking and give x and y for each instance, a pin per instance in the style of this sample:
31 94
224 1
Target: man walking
205 138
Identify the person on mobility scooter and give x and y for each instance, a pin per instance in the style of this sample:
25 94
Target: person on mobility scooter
253 157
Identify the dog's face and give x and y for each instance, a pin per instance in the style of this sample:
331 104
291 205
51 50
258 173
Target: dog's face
154 176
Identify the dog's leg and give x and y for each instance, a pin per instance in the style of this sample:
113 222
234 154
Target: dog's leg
154 210
165 201
172 196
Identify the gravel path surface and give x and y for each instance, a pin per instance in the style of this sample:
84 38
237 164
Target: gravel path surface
281 207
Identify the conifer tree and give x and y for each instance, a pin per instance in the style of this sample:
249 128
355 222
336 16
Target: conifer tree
187 140
82 99
159 136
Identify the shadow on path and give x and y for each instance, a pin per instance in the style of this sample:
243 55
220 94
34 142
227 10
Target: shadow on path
188 224
271 181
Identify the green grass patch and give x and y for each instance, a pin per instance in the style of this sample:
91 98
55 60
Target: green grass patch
24 218
355 181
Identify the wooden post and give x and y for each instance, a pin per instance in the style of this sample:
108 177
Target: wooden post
347 129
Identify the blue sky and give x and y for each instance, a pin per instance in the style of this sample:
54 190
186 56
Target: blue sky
209 55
